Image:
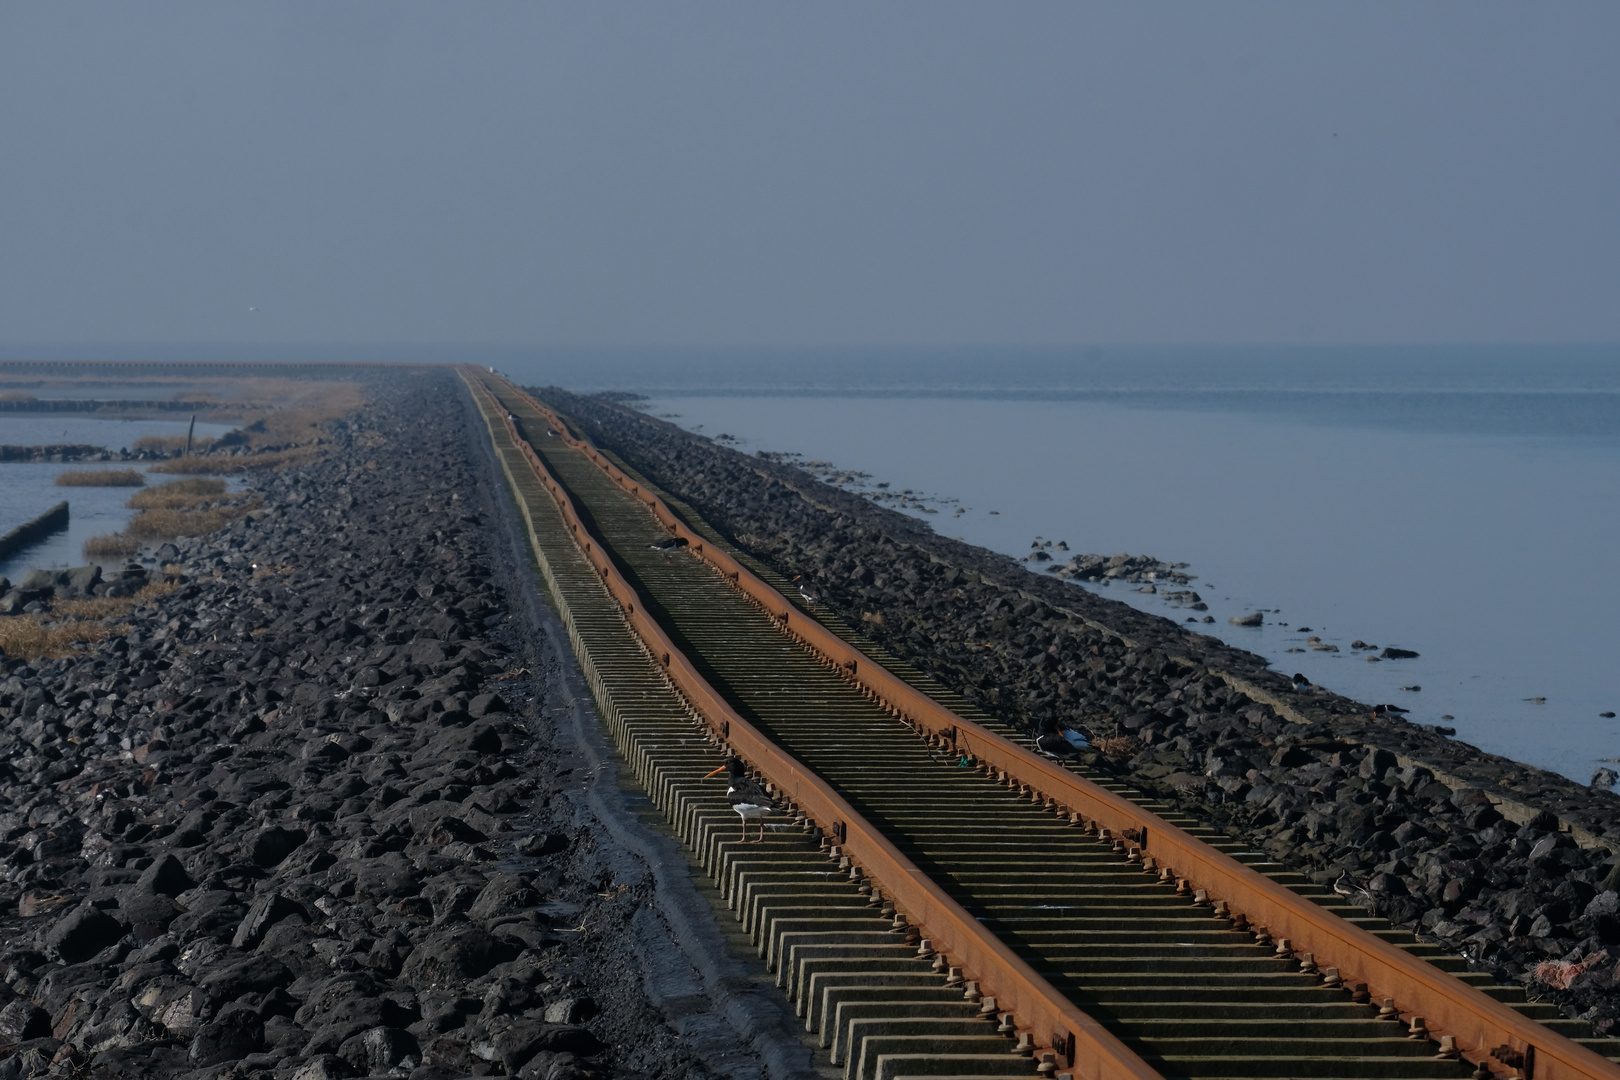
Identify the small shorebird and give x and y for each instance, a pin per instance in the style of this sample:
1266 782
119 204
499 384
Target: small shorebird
808 592
1301 683
745 796
1059 742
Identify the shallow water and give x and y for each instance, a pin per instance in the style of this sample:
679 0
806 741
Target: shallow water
28 490
1489 554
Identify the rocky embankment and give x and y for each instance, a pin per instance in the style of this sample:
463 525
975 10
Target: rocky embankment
1399 817
66 452
308 814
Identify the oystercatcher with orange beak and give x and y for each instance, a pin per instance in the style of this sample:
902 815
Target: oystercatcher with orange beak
746 797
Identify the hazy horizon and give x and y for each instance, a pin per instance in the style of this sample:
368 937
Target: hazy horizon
409 176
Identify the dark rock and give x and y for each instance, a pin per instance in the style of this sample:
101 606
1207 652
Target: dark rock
1386 885
1398 654
515 1044
477 740
266 911
448 830
83 933
269 846
30 1059
486 705
445 1010
214 913
166 876
22 1020
1604 903
249 975
231 1039
324 1067
1375 764
453 957
386 875
381 1050
148 914
537 844
573 1010
505 893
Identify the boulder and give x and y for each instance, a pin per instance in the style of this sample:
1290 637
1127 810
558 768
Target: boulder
266 911
231 1040
1375 764
249 975
571 1010
505 894
324 1067
454 956
512 1046
22 1020
486 704
82 933
78 582
269 846
381 1051
546 843
166 876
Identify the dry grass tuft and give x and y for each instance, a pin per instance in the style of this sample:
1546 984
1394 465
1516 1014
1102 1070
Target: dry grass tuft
171 444
101 478
105 607
171 522
112 545
31 637
179 495
1117 746
209 464
95 607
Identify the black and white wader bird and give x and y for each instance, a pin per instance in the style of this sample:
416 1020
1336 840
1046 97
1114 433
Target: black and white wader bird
745 796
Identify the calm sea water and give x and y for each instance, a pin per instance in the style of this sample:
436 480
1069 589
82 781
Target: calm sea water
1458 502
27 490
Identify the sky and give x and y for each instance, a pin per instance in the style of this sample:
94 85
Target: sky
531 175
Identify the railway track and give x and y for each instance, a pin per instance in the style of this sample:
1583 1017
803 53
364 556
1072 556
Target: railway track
943 903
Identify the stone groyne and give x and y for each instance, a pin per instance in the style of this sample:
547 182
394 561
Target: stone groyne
51 521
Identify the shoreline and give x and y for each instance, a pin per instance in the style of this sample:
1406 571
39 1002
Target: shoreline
1432 543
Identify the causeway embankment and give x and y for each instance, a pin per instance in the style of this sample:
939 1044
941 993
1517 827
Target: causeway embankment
1509 865
328 804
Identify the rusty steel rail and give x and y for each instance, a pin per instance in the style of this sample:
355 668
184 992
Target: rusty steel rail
1483 1028
1088 1048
